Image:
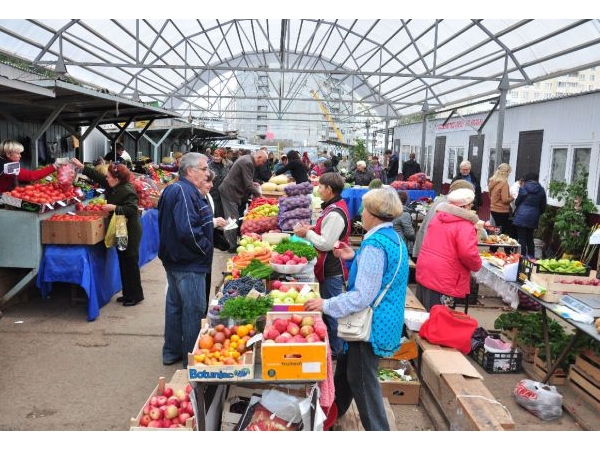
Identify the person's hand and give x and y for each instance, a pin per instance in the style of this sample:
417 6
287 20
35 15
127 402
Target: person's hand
315 304
109 207
220 222
77 163
342 250
301 230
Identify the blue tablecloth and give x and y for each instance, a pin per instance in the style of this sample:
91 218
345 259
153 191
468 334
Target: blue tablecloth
94 267
353 197
149 242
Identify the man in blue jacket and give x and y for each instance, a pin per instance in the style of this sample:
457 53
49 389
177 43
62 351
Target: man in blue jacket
185 225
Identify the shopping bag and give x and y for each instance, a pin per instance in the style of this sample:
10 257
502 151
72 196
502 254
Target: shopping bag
110 237
541 400
121 236
220 242
449 328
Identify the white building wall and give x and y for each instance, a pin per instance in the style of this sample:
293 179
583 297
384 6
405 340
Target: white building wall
572 121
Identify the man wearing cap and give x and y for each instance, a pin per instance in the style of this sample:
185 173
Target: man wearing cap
449 252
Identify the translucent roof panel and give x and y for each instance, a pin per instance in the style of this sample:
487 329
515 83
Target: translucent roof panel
389 66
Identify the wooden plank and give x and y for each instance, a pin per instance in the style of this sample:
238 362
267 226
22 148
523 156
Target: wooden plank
591 389
477 404
351 420
412 302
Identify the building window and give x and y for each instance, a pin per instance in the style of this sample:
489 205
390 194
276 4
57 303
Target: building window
504 158
455 157
570 163
581 162
559 164
592 77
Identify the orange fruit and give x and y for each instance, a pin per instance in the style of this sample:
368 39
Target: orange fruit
242 330
206 341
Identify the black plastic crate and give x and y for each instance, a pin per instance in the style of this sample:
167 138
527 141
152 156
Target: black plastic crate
526 267
511 362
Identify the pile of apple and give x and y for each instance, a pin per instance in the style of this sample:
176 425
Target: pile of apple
223 345
287 259
283 294
250 243
296 329
584 282
170 409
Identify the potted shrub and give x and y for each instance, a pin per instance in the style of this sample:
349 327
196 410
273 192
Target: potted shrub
570 220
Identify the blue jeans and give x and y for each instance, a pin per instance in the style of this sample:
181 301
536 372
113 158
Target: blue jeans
184 309
356 378
331 287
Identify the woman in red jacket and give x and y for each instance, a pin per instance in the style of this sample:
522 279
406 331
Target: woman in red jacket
10 152
449 252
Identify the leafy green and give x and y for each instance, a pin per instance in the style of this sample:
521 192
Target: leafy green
257 269
246 309
297 248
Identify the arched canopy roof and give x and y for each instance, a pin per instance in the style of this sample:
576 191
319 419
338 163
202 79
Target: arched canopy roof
389 66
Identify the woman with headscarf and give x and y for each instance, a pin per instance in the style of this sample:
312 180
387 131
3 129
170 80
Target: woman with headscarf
380 262
220 169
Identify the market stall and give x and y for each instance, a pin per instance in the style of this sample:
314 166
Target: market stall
93 267
353 197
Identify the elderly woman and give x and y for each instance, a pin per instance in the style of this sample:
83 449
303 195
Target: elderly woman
122 198
449 252
380 266
10 152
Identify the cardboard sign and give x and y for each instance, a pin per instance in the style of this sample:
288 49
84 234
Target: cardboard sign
12 168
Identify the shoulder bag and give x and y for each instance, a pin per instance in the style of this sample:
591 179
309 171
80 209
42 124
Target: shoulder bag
357 326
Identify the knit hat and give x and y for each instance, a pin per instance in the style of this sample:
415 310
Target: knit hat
461 197
461 184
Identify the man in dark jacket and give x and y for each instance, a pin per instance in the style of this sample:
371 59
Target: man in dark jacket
393 165
466 174
531 204
185 225
410 167
237 186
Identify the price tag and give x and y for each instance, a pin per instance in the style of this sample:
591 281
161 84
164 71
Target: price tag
77 199
254 294
12 168
305 289
49 206
61 203
100 191
71 213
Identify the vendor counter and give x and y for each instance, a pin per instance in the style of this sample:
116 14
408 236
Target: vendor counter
353 197
94 267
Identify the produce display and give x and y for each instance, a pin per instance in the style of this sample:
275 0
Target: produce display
94 204
275 184
283 294
71 218
147 194
43 193
417 181
500 259
299 249
566 266
296 329
223 345
169 409
295 208
499 239
261 217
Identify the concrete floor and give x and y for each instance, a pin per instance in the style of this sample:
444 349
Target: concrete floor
61 372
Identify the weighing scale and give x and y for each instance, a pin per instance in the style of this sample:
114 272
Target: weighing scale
588 305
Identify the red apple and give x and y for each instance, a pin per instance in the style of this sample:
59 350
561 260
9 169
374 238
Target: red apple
173 401
161 400
145 420
167 392
171 412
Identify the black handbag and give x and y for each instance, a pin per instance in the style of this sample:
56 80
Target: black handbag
220 242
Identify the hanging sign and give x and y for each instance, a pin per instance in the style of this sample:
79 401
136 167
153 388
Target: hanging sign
458 125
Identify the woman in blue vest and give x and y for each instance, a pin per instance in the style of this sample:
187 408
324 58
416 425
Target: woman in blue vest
381 260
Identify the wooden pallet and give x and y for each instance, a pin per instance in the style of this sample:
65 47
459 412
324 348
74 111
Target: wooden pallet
584 378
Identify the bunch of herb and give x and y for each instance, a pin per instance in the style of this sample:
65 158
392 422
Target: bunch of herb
247 309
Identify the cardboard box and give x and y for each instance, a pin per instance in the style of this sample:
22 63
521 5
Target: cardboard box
134 423
293 361
73 233
552 283
17 203
219 374
400 392
298 286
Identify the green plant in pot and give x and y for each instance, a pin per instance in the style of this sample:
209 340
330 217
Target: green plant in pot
570 220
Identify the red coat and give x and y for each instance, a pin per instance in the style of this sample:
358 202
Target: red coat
449 252
8 182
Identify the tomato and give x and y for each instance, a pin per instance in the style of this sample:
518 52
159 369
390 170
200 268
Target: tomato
206 341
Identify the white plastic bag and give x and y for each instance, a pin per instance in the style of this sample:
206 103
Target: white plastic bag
542 400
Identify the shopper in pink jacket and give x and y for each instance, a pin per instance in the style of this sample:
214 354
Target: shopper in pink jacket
449 252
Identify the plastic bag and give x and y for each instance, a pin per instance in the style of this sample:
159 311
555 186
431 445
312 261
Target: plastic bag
542 400
110 236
